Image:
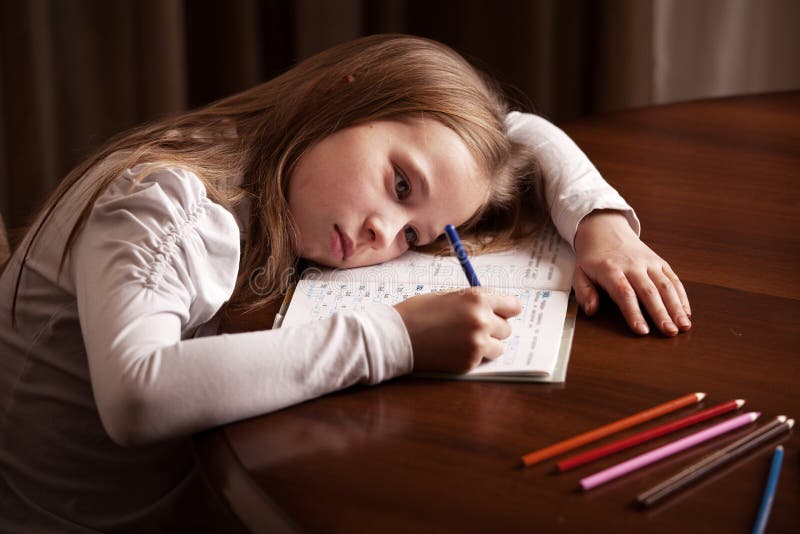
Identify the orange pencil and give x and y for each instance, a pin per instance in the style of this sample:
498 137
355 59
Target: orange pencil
633 420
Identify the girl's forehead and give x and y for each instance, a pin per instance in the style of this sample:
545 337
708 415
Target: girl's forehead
427 128
428 133
434 156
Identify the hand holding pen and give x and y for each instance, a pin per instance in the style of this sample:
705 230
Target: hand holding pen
453 332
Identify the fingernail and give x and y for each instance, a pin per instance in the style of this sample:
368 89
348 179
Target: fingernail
684 321
669 327
642 328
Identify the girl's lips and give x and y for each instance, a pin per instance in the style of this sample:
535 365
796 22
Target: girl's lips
342 245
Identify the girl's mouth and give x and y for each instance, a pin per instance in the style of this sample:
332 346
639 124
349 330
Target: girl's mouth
341 244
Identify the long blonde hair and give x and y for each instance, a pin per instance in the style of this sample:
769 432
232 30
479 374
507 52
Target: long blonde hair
376 77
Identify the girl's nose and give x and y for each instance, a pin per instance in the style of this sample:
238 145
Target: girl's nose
381 231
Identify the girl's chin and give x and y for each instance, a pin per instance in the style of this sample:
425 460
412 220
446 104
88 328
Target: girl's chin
322 262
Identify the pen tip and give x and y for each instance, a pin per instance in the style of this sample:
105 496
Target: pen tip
740 403
700 396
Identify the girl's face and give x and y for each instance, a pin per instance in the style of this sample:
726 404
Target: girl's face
366 193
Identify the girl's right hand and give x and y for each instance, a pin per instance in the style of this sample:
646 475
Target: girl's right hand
453 332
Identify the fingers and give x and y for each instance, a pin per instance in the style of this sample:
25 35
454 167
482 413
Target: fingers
492 314
663 297
619 288
670 302
610 255
506 306
453 332
496 310
493 349
585 292
684 299
499 328
656 293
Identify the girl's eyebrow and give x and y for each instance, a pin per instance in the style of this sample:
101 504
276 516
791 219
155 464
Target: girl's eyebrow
418 176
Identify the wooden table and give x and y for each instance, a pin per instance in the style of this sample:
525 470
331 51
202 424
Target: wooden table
716 184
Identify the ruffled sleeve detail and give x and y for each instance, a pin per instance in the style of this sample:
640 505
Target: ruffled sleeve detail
154 260
177 243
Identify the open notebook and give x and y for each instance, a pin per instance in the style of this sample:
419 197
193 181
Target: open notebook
539 271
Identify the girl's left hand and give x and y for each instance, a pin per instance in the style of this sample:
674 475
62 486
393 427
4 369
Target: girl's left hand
608 253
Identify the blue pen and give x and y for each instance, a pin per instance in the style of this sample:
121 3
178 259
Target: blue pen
461 254
769 491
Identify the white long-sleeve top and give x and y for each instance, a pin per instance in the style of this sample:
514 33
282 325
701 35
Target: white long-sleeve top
103 381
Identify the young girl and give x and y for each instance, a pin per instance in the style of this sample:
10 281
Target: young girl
112 303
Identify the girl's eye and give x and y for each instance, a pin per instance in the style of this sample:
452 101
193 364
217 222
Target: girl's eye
402 187
411 235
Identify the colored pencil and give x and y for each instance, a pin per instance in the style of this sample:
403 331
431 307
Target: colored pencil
769 491
713 462
611 428
606 450
643 460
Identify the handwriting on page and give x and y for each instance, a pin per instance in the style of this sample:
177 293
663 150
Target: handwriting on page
538 270
319 299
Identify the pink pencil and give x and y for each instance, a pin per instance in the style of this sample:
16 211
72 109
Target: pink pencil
653 433
615 471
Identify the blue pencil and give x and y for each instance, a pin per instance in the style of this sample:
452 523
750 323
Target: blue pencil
461 254
769 491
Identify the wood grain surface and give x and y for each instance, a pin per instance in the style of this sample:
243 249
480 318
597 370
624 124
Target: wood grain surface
716 184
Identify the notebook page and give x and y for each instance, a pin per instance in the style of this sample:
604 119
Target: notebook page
545 262
532 347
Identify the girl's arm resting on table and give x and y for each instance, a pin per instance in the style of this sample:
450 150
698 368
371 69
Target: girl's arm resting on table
152 262
604 232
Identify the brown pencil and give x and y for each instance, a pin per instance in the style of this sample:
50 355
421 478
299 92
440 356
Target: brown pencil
617 426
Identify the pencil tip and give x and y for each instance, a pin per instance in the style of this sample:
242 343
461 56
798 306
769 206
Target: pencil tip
700 396
781 418
790 422
754 415
779 448
740 403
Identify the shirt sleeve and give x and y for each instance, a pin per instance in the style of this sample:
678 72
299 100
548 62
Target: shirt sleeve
156 259
573 186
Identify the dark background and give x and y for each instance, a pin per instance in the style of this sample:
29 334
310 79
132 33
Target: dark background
74 72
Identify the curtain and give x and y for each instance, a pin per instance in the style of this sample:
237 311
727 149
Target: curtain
74 72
